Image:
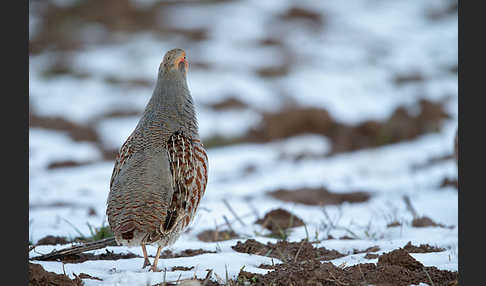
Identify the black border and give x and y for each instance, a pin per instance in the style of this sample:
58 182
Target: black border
15 142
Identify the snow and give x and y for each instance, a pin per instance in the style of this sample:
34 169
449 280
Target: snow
47 146
347 68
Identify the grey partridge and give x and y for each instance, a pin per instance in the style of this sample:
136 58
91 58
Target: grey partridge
161 170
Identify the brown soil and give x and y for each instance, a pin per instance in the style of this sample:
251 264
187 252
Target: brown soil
319 196
347 237
423 248
211 235
443 11
290 122
121 113
38 276
87 276
76 131
66 25
270 41
266 266
185 253
453 69
400 126
218 141
412 77
278 220
446 182
92 212
425 221
394 268
65 164
369 249
134 82
371 256
108 255
287 251
62 65
400 257
313 19
52 240
230 102
274 71
182 268
393 223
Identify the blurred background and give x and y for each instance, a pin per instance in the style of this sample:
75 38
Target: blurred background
317 79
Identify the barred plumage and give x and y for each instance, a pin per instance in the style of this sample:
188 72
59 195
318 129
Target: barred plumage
188 164
161 171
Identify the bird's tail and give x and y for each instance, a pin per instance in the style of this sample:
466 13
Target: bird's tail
127 229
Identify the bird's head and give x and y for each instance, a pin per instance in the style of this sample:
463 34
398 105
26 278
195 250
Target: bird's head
174 61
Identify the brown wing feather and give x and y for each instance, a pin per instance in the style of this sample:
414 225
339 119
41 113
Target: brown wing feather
188 163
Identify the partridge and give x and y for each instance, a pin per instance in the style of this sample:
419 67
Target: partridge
161 170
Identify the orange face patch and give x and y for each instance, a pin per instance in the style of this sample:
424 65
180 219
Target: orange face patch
181 60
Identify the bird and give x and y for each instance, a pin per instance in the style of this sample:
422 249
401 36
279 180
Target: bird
161 171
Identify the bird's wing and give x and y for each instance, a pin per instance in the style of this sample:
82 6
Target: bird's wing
141 190
188 165
126 151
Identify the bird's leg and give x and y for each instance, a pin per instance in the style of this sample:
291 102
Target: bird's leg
146 262
156 260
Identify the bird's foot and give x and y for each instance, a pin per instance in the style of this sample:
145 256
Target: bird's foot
146 263
154 268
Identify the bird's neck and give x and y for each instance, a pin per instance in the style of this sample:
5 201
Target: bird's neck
172 106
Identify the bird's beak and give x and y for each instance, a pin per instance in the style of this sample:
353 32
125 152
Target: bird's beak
183 65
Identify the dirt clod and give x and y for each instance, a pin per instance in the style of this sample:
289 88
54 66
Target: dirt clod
400 257
410 77
182 268
92 211
400 126
423 248
371 256
394 223
446 182
301 14
65 164
287 251
87 276
76 131
211 235
108 255
230 102
38 276
274 71
185 253
318 196
52 240
425 221
396 268
279 220
369 249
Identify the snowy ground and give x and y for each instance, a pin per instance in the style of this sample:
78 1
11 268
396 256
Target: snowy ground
346 66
